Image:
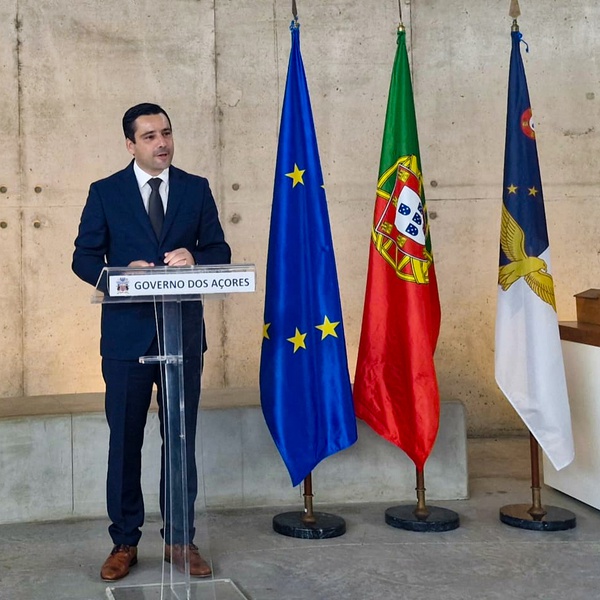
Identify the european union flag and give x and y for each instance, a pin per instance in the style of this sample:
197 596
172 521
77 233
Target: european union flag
304 382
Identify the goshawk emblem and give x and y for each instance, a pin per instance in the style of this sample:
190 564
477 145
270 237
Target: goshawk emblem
533 269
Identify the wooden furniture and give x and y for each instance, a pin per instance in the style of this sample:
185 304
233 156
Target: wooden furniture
581 351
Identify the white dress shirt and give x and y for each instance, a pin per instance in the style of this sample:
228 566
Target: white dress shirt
143 178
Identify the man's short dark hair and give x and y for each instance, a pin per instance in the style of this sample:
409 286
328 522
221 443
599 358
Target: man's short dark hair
137 111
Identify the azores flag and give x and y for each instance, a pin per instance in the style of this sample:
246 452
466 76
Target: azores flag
305 387
529 363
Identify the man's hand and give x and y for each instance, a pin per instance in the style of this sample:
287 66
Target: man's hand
179 258
140 263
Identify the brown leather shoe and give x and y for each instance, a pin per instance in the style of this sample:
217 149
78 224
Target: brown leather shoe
117 565
198 566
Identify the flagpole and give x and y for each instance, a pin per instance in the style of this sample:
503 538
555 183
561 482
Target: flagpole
309 515
420 517
537 510
535 516
311 398
421 512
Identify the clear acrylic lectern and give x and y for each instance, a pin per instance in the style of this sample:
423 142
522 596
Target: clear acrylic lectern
166 288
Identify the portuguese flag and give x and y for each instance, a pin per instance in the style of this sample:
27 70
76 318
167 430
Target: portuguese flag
395 387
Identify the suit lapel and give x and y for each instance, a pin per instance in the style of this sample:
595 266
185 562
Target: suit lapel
132 198
176 194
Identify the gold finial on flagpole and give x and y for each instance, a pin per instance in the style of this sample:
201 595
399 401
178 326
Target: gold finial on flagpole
401 24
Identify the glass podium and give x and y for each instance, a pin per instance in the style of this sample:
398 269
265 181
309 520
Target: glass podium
167 288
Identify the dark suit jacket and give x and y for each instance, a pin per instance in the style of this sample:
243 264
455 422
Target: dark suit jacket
115 230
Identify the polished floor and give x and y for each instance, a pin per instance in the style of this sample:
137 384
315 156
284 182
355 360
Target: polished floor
482 560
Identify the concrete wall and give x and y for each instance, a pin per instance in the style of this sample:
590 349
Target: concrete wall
69 70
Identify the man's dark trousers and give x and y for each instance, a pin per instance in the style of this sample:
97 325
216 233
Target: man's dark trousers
128 395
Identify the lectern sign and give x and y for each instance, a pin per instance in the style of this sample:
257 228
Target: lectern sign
179 282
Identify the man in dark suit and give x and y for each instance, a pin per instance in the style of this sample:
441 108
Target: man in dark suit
148 214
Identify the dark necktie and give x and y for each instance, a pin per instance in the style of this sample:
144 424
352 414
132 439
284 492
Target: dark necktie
155 206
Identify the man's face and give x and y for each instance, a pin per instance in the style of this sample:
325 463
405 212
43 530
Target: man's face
153 148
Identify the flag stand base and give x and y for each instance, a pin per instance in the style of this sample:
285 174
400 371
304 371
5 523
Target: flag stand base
438 519
535 516
555 519
325 525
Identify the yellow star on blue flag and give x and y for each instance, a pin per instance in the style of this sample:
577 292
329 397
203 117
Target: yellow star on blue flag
327 328
296 175
298 340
